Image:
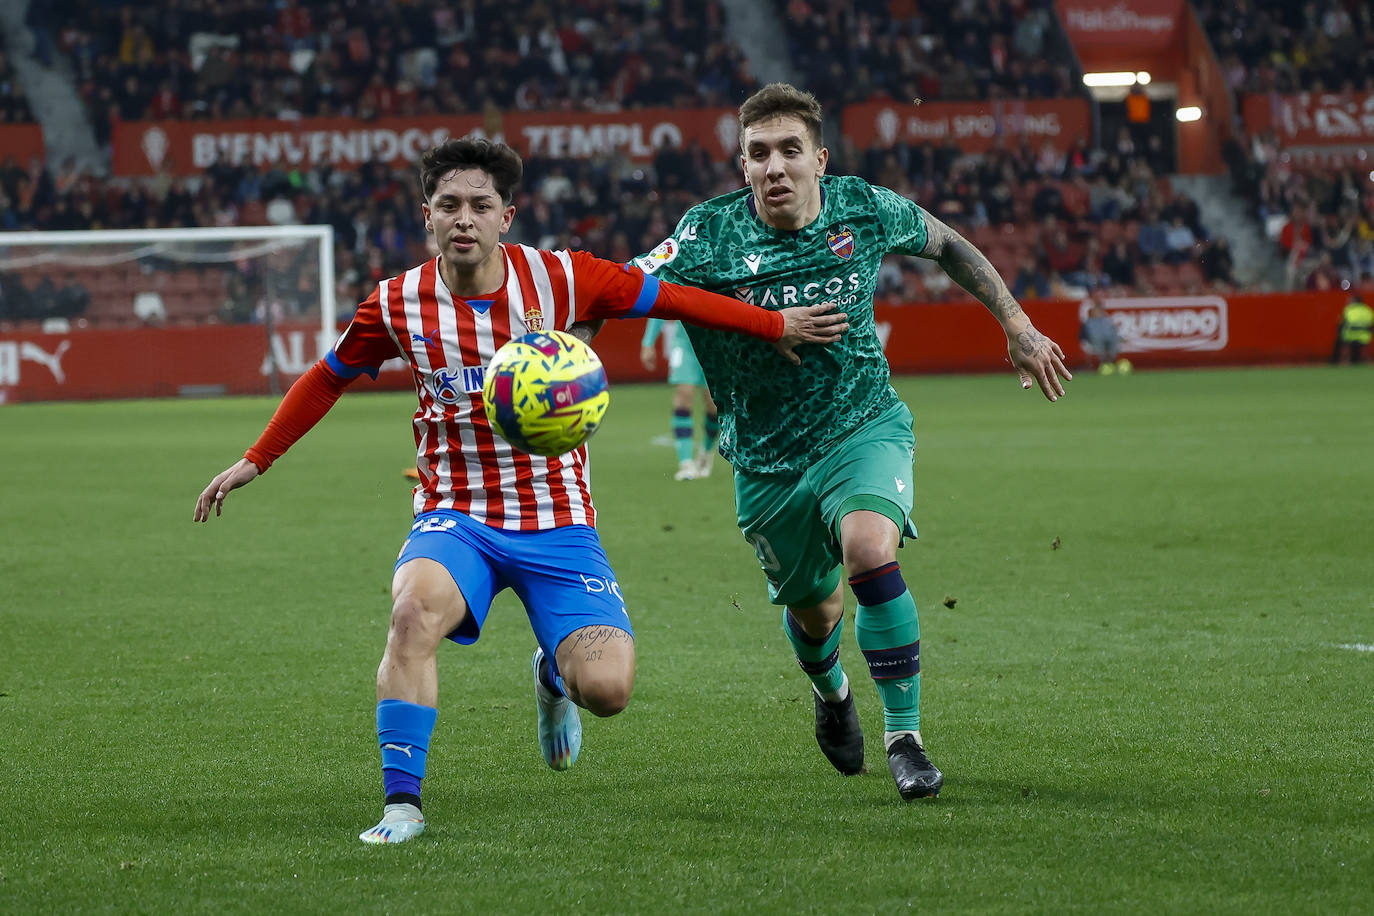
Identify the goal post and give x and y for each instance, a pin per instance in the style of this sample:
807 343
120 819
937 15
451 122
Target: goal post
240 309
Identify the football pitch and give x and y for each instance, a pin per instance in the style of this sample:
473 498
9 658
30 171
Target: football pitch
1147 618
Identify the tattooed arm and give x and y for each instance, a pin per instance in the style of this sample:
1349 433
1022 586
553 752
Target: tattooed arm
1035 356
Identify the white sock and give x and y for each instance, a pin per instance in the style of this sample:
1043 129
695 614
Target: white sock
835 696
891 738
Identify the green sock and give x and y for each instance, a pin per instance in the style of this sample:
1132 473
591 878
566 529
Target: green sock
889 635
819 658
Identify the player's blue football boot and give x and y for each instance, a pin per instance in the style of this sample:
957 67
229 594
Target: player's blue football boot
560 727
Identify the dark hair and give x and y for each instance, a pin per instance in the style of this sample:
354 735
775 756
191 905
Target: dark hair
781 100
496 159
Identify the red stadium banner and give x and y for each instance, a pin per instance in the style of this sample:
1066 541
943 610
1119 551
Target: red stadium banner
1312 119
23 142
1160 332
1139 25
189 147
974 126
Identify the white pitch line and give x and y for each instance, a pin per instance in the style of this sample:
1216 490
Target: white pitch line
1357 646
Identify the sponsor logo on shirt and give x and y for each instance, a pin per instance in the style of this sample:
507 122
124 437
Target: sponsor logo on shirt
841 241
452 385
664 254
841 290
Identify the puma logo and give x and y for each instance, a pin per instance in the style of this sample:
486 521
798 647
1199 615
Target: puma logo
32 351
396 747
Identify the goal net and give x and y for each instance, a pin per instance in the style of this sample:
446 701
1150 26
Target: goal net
224 310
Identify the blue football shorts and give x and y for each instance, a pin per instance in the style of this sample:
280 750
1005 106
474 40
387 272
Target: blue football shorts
561 575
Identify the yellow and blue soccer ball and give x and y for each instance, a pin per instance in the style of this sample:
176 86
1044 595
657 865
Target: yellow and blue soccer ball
545 393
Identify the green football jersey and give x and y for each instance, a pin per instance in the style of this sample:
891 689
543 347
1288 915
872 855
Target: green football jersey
777 417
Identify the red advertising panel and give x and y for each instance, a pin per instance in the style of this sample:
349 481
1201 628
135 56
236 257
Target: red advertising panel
1140 25
237 359
189 147
1313 119
975 126
22 141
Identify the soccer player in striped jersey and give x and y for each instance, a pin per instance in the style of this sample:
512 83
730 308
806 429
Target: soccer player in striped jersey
823 456
488 517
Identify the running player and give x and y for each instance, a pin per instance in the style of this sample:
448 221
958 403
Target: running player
684 374
823 457
488 517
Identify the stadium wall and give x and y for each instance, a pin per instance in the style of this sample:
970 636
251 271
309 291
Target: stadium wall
1188 331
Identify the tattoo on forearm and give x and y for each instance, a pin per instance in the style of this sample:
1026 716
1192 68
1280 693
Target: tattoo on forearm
968 267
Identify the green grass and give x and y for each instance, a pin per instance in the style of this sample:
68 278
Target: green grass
1155 716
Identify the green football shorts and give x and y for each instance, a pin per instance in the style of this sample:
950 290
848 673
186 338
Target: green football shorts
683 368
793 522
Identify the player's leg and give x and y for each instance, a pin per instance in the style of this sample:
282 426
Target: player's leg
427 606
586 654
710 432
683 432
798 554
867 499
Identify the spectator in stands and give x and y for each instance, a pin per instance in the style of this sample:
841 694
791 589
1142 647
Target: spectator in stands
1032 279
1217 264
1119 264
1178 241
1152 241
1324 277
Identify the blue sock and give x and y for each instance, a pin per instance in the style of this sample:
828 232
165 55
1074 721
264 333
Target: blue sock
403 731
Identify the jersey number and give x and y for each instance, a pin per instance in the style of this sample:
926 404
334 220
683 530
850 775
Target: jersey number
764 551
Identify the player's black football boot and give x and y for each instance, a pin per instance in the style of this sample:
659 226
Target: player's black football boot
839 735
916 776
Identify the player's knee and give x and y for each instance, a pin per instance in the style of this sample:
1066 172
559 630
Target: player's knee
603 694
864 555
416 625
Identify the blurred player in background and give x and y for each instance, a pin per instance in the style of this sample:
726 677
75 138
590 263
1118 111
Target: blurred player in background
823 457
1100 339
684 374
488 517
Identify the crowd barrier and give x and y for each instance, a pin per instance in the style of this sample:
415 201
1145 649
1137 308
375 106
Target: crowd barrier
1158 333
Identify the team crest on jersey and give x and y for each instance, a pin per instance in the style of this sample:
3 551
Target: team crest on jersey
664 254
534 319
841 241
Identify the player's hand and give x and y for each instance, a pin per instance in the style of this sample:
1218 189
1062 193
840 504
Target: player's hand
801 324
1038 359
231 478
649 357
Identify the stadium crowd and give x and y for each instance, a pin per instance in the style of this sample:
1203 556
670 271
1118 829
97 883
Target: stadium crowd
1318 208
854 50
1281 46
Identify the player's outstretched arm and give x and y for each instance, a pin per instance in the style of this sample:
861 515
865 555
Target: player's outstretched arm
1037 359
819 324
309 399
231 478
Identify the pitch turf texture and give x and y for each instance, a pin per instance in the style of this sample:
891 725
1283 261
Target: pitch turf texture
1169 711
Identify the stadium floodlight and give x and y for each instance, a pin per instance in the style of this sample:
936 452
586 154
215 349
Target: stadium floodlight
1101 80
1189 113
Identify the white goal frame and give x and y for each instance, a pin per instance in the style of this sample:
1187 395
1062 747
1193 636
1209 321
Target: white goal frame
323 235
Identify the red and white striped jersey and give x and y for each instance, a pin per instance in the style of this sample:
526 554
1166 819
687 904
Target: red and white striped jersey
448 341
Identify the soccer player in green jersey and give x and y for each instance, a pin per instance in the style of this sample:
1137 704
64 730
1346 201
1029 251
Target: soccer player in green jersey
822 453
